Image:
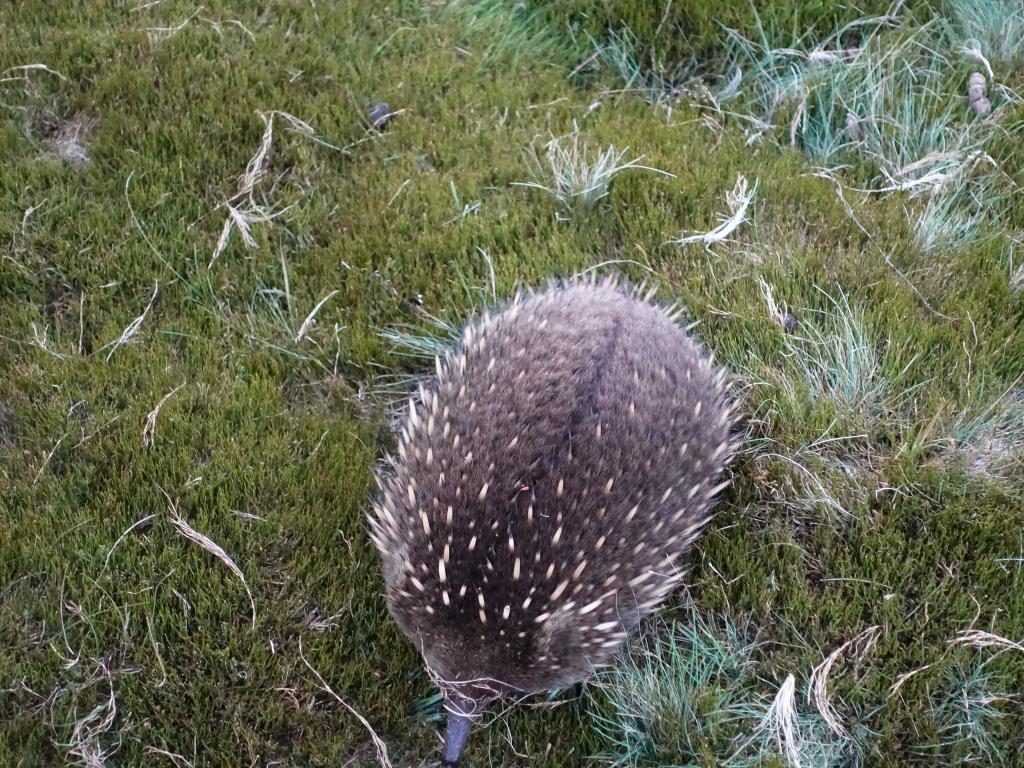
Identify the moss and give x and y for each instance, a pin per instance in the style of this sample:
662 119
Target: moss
269 445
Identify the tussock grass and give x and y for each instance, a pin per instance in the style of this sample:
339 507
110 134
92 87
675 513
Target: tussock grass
891 101
655 81
574 176
676 690
692 691
970 705
833 359
991 30
989 440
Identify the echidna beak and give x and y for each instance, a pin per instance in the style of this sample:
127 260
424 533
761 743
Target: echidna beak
461 714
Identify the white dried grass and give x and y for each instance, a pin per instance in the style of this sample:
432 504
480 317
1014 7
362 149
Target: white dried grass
901 679
378 743
780 722
149 427
575 178
737 200
41 340
48 456
1017 281
128 334
213 548
179 761
981 639
137 524
158 35
243 211
85 745
311 317
25 69
817 685
776 311
242 218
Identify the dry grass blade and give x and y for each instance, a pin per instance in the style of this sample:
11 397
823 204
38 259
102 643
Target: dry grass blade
149 427
378 743
311 317
981 639
242 216
906 676
177 759
48 456
123 536
26 68
817 686
738 200
132 328
213 548
161 34
85 743
780 721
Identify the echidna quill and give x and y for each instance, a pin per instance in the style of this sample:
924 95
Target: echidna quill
547 483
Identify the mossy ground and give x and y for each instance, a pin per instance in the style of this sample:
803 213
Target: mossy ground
269 445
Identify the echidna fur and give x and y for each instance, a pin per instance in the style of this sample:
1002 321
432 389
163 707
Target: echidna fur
549 479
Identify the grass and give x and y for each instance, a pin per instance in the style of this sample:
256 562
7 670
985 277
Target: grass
573 176
969 706
218 268
689 695
993 31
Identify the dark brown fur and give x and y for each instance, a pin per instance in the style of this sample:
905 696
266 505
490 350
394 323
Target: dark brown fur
549 480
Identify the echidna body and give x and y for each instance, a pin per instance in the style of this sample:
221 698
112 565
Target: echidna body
549 479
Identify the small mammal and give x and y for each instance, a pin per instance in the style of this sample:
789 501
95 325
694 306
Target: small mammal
554 471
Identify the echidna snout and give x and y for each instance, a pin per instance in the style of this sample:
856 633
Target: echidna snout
548 480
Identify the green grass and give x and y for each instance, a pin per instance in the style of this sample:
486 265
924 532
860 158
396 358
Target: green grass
879 485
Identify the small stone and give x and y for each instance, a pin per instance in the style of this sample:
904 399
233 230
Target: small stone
790 323
381 115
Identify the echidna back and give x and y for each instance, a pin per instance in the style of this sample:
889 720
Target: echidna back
554 473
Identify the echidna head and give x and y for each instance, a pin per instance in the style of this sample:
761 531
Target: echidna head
464 702
465 698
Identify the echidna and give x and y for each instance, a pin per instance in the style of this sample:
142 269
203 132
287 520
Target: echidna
548 480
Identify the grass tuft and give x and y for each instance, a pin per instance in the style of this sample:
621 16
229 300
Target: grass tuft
970 707
576 178
989 440
677 689
993 28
